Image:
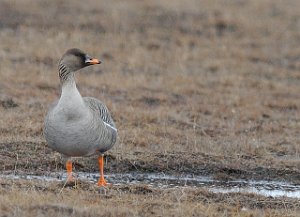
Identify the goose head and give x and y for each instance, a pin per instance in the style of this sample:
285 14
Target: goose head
75 59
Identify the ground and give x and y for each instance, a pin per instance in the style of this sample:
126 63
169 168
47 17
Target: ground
195 87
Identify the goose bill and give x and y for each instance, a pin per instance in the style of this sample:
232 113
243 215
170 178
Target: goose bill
92 61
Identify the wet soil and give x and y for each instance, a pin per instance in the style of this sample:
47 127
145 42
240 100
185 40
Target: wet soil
37 159
191 194
163 181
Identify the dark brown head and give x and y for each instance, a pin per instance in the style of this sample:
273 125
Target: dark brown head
75 59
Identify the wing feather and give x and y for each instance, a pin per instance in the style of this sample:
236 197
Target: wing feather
99 107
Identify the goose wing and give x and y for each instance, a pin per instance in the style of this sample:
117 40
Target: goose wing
100 108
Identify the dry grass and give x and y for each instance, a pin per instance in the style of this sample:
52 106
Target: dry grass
27 198
193 86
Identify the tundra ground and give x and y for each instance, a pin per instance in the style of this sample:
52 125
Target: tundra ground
195 87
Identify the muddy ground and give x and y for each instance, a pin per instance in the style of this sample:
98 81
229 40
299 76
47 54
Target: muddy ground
195 87
220 167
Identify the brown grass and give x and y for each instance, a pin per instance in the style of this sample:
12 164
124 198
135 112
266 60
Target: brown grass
28 198
193 86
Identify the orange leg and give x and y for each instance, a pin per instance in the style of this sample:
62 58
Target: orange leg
69 170
101 181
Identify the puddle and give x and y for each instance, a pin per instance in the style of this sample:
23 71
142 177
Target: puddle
160 180
265 188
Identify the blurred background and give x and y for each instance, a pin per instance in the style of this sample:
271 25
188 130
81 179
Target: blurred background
214 77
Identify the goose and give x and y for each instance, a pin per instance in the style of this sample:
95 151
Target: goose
77 126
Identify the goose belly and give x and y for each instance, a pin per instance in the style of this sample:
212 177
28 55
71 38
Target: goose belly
81 138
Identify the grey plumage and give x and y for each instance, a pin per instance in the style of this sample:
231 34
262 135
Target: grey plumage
75 125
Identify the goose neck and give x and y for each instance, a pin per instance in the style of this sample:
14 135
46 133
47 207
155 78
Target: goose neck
66 75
